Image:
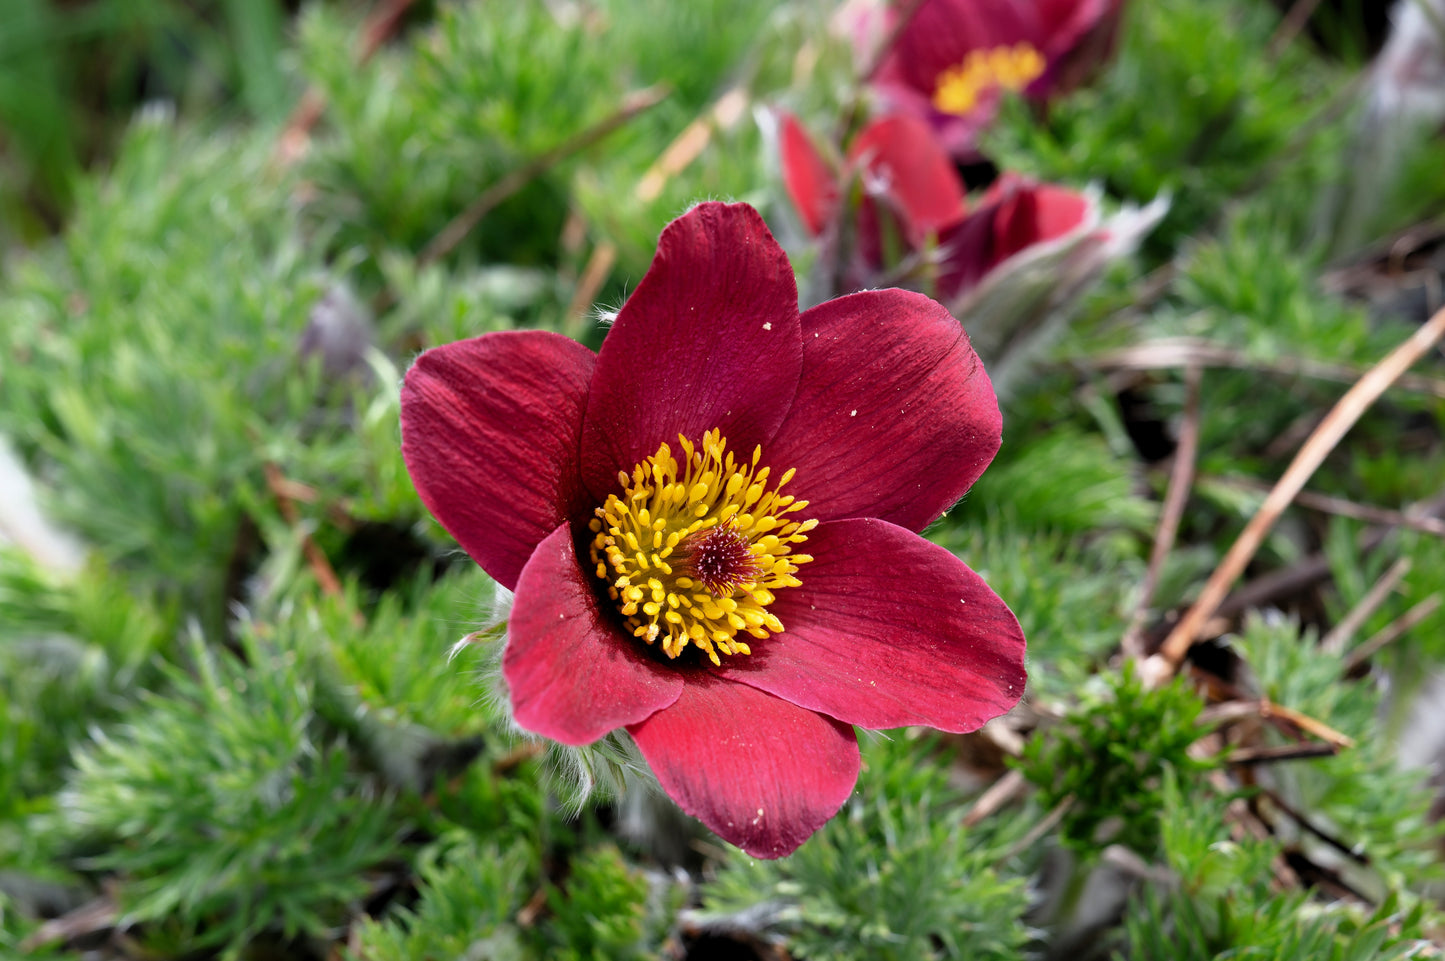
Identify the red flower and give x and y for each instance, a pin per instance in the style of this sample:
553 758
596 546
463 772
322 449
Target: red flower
1016 213
953 58
641 504
901 165
907 177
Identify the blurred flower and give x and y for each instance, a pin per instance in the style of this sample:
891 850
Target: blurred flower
912 200
635 502
953 58
1041 249
1016 213
1012 269
899 164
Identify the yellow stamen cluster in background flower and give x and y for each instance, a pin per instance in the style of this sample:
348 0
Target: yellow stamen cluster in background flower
693 547
959 88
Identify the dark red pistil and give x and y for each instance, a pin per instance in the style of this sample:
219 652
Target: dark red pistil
721 559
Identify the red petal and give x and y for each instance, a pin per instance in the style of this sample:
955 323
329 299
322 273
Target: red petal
894 416
903 156
1088 39
708 340
967 249
762 773
811 183
888 630
489 431
572 674
1015 214
1029 213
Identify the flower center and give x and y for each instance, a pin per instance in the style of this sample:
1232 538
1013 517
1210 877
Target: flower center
957 89
694 546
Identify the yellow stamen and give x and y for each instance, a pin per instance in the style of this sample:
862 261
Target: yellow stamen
721 545
959 88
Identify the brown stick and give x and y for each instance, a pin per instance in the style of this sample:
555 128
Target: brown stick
1328 504
295 137
280 489
1281 752
1267 710
1046 824
1331 431
1390 633
1334 642
380 26
1289 28
517 178
999 793
1353 854
1183 351
689 145
1181 478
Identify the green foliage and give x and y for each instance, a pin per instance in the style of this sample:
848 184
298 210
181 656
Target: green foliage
1064 481
1190 107
1069 598
398 665
71 77
600 913
420 132
71 651
470 894
894 876
180 348
263 826
1220 903
1108 760
199 727
1359 793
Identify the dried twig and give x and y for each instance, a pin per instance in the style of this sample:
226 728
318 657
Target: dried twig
904 13
281 489
1289 28
1181 477
90 918
999 793
1334 642
1390 633
1350 852
1186 351
1341 418
1046 824
1329 504
518 756
1267 710
517 178
689 145
1281 752
295 137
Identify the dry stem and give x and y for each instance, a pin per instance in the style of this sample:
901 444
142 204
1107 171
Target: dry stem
1330 432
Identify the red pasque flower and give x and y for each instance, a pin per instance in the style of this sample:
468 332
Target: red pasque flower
953 58
649 505
901 167
909 178
1016 214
